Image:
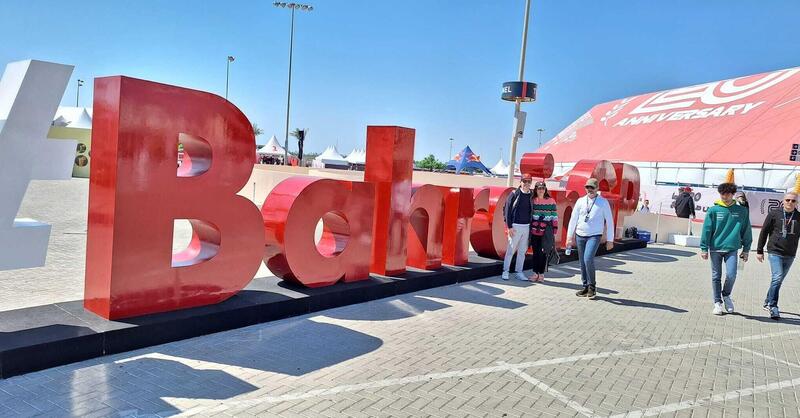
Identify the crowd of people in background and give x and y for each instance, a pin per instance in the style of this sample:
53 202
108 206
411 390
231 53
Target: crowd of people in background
532 223
268 159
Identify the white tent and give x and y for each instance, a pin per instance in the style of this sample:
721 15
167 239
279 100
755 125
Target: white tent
73 117
272 148
500 169
357 156
330 158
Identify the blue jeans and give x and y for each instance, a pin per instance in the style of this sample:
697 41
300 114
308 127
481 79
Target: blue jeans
587 248
780 267
717 260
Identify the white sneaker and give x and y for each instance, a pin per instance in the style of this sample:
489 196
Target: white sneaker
521 276
718 310
774 313
505 275
728 303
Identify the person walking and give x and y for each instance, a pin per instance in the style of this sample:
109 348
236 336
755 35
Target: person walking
780 234
684 204
589 215
517 213
544 227
741 199
726 229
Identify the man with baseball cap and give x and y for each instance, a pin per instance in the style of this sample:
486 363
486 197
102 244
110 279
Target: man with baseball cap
518 221
589 216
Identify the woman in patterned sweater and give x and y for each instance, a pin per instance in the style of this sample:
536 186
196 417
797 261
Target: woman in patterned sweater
544 228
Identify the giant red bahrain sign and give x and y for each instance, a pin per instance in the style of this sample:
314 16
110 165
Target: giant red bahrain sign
380 225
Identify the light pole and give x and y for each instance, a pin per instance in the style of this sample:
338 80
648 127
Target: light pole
513 157
293 7
231 58
540 130
78 92
450 155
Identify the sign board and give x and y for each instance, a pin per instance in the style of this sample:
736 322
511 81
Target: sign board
519 90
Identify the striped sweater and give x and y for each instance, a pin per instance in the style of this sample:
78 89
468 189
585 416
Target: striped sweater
544 212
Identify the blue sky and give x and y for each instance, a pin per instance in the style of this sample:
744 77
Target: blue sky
436 66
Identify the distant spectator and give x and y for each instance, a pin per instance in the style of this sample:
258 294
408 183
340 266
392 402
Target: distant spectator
741 199
684 204
645 207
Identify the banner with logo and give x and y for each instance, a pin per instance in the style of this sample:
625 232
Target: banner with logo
752 119
662 198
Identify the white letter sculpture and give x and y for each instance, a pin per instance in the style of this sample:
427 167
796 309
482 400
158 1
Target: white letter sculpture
30 92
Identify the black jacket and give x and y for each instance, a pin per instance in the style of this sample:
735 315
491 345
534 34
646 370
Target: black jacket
510 210
773 227
684 205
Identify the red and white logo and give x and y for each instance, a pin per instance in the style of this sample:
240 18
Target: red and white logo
702 101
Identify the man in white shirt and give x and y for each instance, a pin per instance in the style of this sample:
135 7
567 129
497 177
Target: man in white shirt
586 225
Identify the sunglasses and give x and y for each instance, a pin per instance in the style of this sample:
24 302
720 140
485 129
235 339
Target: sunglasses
790 200
540 188
589 188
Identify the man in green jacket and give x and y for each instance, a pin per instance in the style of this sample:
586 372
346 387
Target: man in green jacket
726 229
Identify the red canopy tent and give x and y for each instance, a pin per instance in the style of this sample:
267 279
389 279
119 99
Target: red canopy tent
752 119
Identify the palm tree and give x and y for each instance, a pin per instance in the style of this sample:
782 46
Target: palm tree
300 134
256 130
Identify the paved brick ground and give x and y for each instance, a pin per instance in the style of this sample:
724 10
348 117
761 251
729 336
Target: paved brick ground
647 346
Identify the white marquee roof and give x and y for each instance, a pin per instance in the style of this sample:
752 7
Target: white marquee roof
357 156
273 147
73 117
330 156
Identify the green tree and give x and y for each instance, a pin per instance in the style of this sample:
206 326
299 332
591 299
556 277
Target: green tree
430 163
256 130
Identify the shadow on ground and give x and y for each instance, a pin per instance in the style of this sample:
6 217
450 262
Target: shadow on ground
87 390
387 309
408 306
651 255
474 292
765 318
576 286
294 347
640 304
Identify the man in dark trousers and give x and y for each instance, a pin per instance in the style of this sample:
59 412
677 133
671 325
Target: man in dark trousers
684 204
780 233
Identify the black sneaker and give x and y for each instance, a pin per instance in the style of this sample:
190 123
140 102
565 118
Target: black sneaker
583 292
592 292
